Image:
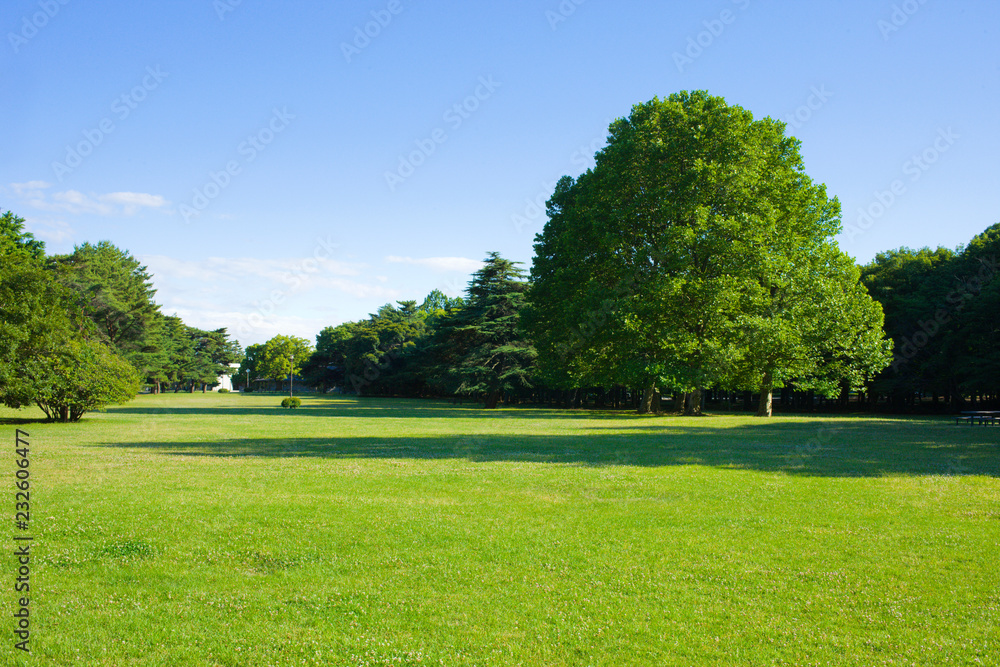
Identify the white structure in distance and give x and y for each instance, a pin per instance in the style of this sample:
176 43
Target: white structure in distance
226 381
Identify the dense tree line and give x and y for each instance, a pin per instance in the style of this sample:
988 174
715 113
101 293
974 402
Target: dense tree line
942 310
695 258
82 331
444 346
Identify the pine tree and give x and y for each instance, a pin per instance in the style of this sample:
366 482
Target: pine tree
492 356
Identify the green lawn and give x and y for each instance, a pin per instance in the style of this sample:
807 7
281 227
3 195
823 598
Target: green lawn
223 530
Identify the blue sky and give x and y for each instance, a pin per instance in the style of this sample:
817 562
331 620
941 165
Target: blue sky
281 167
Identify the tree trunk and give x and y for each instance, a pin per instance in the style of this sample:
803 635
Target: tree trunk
693 404
766 390
646 405
492 398
568 396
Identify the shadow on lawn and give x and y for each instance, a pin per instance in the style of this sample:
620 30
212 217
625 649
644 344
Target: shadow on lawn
23 421
829 448
393 408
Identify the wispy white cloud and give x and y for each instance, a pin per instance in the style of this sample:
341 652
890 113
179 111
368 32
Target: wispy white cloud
29 189
74 202
439 263
258 298
285 272
133 201
250 327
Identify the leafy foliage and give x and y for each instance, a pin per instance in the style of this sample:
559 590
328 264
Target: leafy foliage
50 354
282 357
83 376
692 255
116 293
13 238
943 312
492 356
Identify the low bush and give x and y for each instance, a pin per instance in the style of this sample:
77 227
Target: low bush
291 402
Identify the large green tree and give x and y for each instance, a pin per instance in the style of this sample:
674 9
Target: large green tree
116 292
50 354
34 324
652 262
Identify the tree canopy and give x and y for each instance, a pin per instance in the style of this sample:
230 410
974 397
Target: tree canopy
675 260
490 354
51 354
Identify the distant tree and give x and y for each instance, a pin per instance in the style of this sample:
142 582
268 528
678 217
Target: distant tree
492 356
284 356
212 354
439 301
251 365
379 351
977 334
911 286
327 365
391 352
941 309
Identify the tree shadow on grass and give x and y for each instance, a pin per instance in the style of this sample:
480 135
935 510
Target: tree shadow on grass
391 408
828 448
23 421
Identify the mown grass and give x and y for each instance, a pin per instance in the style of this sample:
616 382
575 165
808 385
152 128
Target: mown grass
223 530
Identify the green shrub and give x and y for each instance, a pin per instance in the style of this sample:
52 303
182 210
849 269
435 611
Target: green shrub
291 402
223 391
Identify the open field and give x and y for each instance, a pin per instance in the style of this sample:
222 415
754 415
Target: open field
222 530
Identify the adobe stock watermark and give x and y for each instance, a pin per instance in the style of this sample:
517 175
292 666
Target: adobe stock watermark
249 149
300 274
223 7
30 25
813 446
454 116
562 13
453 287
363 35
698 44
121 108
900 16
955 302
818 97
534 207
915 168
